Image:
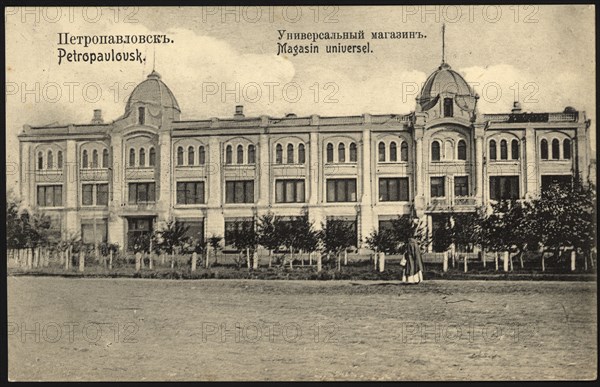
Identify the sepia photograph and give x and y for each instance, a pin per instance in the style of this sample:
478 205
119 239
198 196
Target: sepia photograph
301 193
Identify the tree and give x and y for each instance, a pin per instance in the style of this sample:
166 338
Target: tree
337 236
245 239
269 235
405 227
215 243
382 241
172 238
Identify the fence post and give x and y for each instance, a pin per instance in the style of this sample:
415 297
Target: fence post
138 259
496 259
319 263
573 255
466 258
81 260
482 252
194 260
345 258
110 259
255 260
505 260
151 260
381 262
375 256
445 261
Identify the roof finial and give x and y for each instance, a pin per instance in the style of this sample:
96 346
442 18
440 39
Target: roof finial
154 59
443 43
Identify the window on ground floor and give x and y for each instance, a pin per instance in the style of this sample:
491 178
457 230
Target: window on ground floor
195 229
504 187
561 180
234 226
94 231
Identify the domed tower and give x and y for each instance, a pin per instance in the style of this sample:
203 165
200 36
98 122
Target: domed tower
152 101
447 94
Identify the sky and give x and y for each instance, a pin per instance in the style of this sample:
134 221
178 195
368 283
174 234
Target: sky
219 57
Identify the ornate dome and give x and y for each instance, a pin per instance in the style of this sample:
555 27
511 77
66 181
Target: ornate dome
446 80
153 91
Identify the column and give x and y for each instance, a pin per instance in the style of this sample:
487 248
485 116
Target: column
215 222
116 223
478 184
530 160
166 185
314 181
420 173
366 203
263 172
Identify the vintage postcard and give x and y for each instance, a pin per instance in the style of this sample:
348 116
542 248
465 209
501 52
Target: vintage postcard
301 193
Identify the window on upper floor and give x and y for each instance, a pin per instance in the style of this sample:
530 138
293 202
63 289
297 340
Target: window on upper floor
393 151
341 153
514 149
393 189
493 155
49 195
438 187
50 162
504 187
301 154
251 154
290 154
567 149
381 152
142 193
141 115
191 155
85 161
131 158
461 186
341 190
229 155
59 160
94 194
503 150
180 155
289 191
40 161
95 159
201 155
142 157
544 149
190 192
152 157
555 149
435 151
404 151
448 107
240 154
353 153
278 154
462 150
330 153
239 191
105 158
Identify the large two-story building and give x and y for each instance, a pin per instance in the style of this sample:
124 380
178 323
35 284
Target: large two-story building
115 181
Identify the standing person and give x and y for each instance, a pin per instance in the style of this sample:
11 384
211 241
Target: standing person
413 272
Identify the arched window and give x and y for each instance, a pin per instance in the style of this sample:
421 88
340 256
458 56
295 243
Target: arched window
180 155
514 149
462 150
59 160
278 154
94 158
191 155
493 150
50 163
503 150
228 155
152 157
435 151
341 153
105 157
381 151
290 154
330 153
448 107
142 157
353 155
544 149
131 157
201 155
393 151
251 154
404 151
40 161
555 149
240 154
567 149
301 154
84 158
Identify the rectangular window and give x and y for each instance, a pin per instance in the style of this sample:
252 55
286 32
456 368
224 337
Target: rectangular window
393 189
504 187
235 226
87 195
289 191
448 107
239 191
561 180
461 186
191 192
102 194
49 195
141 193
195 229
438 187
341 190
91 234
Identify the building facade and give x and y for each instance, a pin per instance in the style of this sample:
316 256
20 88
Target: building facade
116 181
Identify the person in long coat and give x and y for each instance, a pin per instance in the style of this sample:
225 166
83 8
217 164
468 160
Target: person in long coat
413 272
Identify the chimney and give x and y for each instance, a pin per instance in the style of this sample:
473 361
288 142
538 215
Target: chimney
239 111
97 117
516 107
